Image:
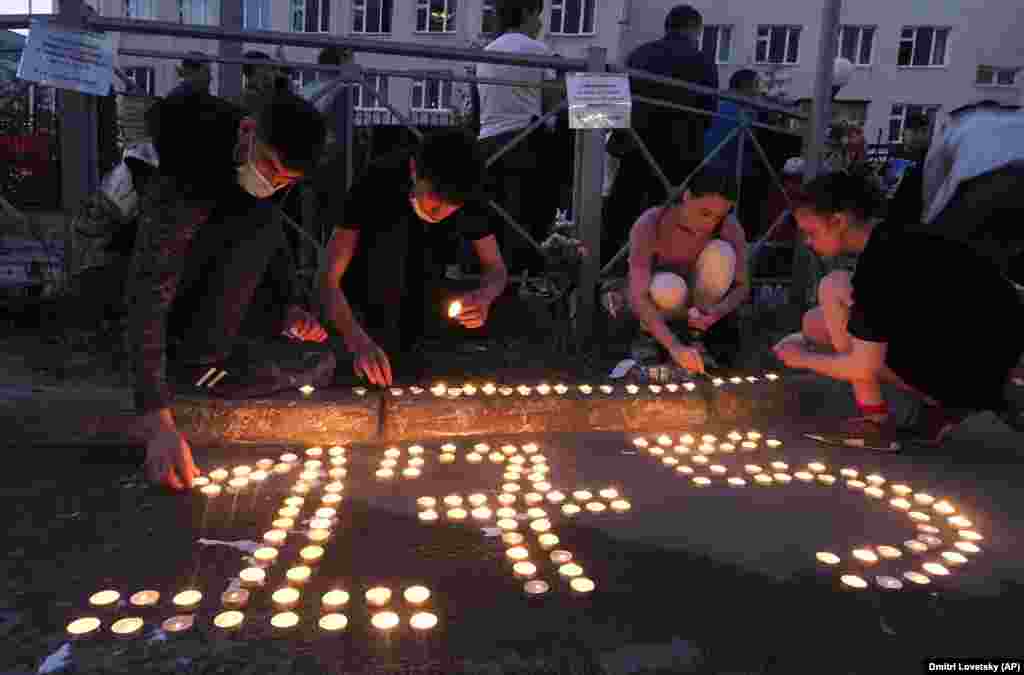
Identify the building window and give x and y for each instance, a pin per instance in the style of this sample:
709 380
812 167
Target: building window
311 16
372 16
778 44
898 117
144 77
303 78
256 14
923 47
489 18
202 12
572 17
856 44
363 100
140 9
716 42
990 76
435 16
432 94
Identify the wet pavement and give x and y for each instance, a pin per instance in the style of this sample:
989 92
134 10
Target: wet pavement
689 579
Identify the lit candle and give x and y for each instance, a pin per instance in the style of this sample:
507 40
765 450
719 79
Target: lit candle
753 469
82 627
944 508
967 547
920 517
385 474
866 556
959 522
748 445
543 389
684 469
311 554
333 622
144 598
508 524
187 600
700 459
804 476
512 538
582 495
536 587
889 552
438 389
736 481
384 620
771 376
763 479
889 583
555 496
457 514
570 570
481 513
258 476
570 509
582 585
219 475
827 558
727 447
736 380
299 575
954 558
826 479
318 535
252 577
334 599
669 461
817 467
970 535
178 624
489 389
283 467
496 457
506 512
474 457
428 516
915 546
232 619
586 388
200 481
718 382
309 476
900 503
288 512
416 595
901 490
560 557
924 499
510 487
927 529
104 599
517 553
875 492
929 540
265 556
849 473
701 481
673 387
300 488
127 627
331 499
707 448
783 478
853 581
284 621
446 458
718 469
454 309
689 386
506 499
773 443
378 596
856 484
236 599
917 578
289 458
506 391
410 472
523 390
548 540
423 621
935 569
535 513
212 490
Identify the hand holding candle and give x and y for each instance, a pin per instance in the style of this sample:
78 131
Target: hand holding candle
471 310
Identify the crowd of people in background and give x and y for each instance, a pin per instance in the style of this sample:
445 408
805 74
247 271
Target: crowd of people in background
214 304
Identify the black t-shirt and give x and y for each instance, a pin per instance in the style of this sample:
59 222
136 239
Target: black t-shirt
195 134
906 207
399 256
951 321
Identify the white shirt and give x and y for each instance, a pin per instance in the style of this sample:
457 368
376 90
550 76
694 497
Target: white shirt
504 108
982 143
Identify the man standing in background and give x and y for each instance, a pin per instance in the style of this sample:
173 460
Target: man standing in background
195 76
675 138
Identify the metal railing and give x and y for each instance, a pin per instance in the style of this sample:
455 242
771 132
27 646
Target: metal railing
590 150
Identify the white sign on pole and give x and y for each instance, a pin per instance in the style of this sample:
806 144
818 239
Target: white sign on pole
598 100
68 58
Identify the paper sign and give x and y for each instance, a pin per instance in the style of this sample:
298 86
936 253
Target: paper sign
598 101
68 58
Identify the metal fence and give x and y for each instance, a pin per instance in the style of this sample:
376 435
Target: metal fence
589 175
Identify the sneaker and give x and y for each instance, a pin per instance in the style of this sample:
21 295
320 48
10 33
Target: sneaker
861 432
260 370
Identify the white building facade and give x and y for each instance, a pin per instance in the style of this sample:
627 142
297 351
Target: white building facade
910 55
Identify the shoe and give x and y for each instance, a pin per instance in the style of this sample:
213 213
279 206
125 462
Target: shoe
933 423
861 432
260 370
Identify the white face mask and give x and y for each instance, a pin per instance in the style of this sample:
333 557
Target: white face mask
252 180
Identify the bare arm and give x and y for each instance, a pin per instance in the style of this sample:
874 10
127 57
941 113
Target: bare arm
340 250
740 292
865 361
641 253
495 274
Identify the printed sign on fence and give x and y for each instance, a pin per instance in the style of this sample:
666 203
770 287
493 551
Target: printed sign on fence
68 58
598 101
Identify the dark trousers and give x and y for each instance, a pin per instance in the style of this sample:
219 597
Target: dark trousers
986 213
523 184
234 283
636 189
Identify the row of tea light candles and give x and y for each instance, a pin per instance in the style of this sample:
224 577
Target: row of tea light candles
544 389
232 618
816 471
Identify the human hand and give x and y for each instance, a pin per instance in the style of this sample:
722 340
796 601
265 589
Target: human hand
370 361
702 321
791 352
169 460
475 308
688 358
302 325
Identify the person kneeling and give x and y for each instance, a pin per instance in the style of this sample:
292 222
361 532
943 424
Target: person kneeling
688 276
890 322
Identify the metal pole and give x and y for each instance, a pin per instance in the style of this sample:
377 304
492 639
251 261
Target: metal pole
822 110
78 143
230 81
589 181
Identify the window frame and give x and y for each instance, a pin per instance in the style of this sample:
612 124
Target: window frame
427 5
210 19
948 30
380 85
423 82
324 7
767 40
996 72
385 4
246 19
718 27
150 87
931 110
559 6
151 5
859 47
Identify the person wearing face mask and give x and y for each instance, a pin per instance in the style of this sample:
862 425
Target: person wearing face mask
382 285
687 277
207 232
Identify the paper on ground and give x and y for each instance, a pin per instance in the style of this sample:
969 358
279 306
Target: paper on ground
243 545
620 370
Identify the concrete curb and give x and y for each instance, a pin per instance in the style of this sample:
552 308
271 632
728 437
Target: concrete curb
101 417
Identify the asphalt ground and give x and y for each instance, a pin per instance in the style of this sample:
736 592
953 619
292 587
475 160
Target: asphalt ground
715 579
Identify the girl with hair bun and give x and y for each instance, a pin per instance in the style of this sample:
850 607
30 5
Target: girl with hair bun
898 320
